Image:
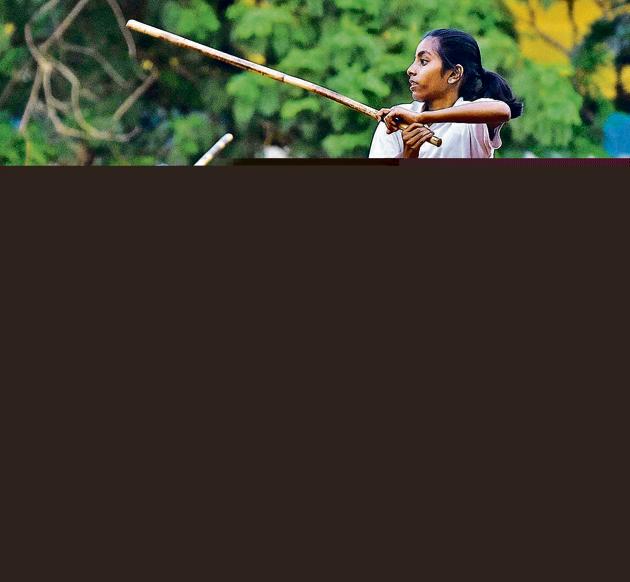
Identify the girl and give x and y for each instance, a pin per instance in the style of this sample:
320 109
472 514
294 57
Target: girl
455 96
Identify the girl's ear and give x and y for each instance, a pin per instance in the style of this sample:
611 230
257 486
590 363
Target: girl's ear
456 74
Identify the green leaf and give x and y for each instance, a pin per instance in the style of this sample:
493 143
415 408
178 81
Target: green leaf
291 109
196 21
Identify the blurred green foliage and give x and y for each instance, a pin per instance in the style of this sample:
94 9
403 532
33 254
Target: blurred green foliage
360 48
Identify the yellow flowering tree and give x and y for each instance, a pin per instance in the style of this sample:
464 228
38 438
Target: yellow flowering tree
589 43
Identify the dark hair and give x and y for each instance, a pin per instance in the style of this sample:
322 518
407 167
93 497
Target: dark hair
460 48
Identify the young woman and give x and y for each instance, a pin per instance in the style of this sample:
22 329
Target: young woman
454 98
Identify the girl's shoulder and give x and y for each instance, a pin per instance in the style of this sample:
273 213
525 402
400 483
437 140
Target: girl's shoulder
462 101
413 106
492 132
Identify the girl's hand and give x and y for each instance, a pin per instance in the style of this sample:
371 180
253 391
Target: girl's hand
381 113
413 137
397 116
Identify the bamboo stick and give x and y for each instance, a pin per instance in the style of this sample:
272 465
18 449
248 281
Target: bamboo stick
214 150
180 41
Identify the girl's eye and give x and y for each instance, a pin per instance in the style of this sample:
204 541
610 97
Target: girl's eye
423 62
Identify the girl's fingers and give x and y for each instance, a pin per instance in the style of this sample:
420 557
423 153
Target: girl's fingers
414 129
381 113
391 120
417 142
416 137
390 124
396 116
404 115
388 121
421 138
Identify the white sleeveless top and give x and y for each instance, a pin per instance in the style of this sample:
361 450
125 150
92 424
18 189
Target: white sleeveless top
459 140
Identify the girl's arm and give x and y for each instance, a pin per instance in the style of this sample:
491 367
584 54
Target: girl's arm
490 112
493 113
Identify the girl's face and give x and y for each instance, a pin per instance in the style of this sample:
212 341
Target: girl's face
426 79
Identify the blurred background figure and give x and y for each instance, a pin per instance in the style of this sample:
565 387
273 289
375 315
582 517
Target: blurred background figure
272 151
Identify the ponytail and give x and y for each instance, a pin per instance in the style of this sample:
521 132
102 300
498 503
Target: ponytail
496 87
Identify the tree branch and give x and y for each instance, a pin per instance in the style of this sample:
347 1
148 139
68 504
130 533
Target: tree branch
534 24
67 21
122 24
101 60
32 99
574 28
135 95
47 66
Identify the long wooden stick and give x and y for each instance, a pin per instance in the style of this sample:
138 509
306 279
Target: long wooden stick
265 71
214 150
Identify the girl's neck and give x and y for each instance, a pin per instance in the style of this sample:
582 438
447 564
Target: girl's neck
441 102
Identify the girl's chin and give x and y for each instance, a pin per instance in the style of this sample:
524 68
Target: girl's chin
417 96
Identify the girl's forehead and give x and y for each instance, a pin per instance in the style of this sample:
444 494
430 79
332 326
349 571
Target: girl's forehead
430 45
